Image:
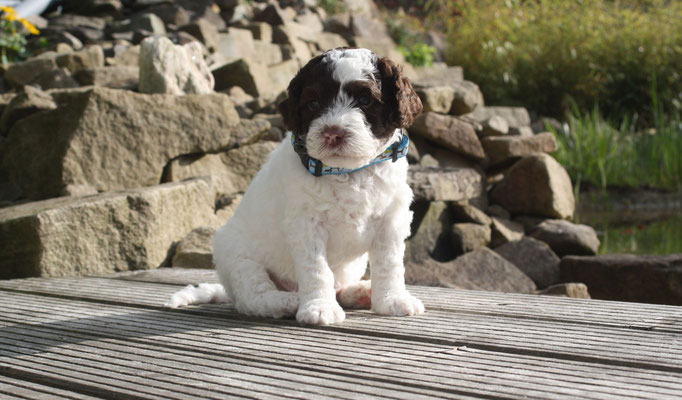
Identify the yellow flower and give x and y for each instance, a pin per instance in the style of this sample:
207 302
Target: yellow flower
9 17
8 10
31 28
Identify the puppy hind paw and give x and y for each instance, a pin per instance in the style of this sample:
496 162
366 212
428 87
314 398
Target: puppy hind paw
320 312
355 296
398 304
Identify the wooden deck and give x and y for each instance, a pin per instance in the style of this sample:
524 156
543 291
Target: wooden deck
83 338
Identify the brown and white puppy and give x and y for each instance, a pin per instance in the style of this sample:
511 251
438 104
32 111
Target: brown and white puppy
326 202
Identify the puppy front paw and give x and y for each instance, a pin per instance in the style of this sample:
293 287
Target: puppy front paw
320 312
397 304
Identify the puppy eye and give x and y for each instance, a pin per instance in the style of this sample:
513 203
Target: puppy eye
313 106
364 101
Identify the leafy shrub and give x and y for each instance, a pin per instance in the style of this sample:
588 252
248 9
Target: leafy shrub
539 53
418 55
606 153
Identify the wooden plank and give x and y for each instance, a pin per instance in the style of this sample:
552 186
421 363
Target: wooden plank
611 344
629 315
12 388
213 337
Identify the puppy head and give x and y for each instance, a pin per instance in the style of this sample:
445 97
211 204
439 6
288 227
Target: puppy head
346 105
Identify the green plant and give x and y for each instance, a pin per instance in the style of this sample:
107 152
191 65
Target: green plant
420 54
605 153
597 52
13 42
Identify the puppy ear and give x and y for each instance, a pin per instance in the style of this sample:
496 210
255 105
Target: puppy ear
289 106
401 101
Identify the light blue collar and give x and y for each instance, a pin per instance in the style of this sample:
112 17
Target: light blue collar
316 167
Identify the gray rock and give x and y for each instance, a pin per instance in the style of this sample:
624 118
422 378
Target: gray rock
462 211
249 132
627 277
468 97
27 72
170 14
450 132
446 184
261 31
140 22
430 233
523 131
251 76
467 237
280 75
436 98
204 31
438 74
534 258
115 77
495 126
58 78
328 40
125 56
496 210
504 231
427 160
567 238
86 28
231 171
502 149
536 185
235 43
268 53
100 234
273 14
171 69
515 116
481 269
31 100
140 133
572 289
195 250
88 58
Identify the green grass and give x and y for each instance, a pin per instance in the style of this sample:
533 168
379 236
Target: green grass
597 52
608 154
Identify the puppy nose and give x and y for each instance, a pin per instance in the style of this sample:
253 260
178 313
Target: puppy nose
334 135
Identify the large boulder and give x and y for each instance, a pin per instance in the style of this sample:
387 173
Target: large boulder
100 234
430 233
502 149
536 185
504 231
567 238
438 74
112 139
232 171
450 132
172 69
534 258
447 184
627 277
481 269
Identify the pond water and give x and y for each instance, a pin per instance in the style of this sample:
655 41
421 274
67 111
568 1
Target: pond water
637 223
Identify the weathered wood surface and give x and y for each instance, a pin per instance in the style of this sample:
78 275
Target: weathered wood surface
110 337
